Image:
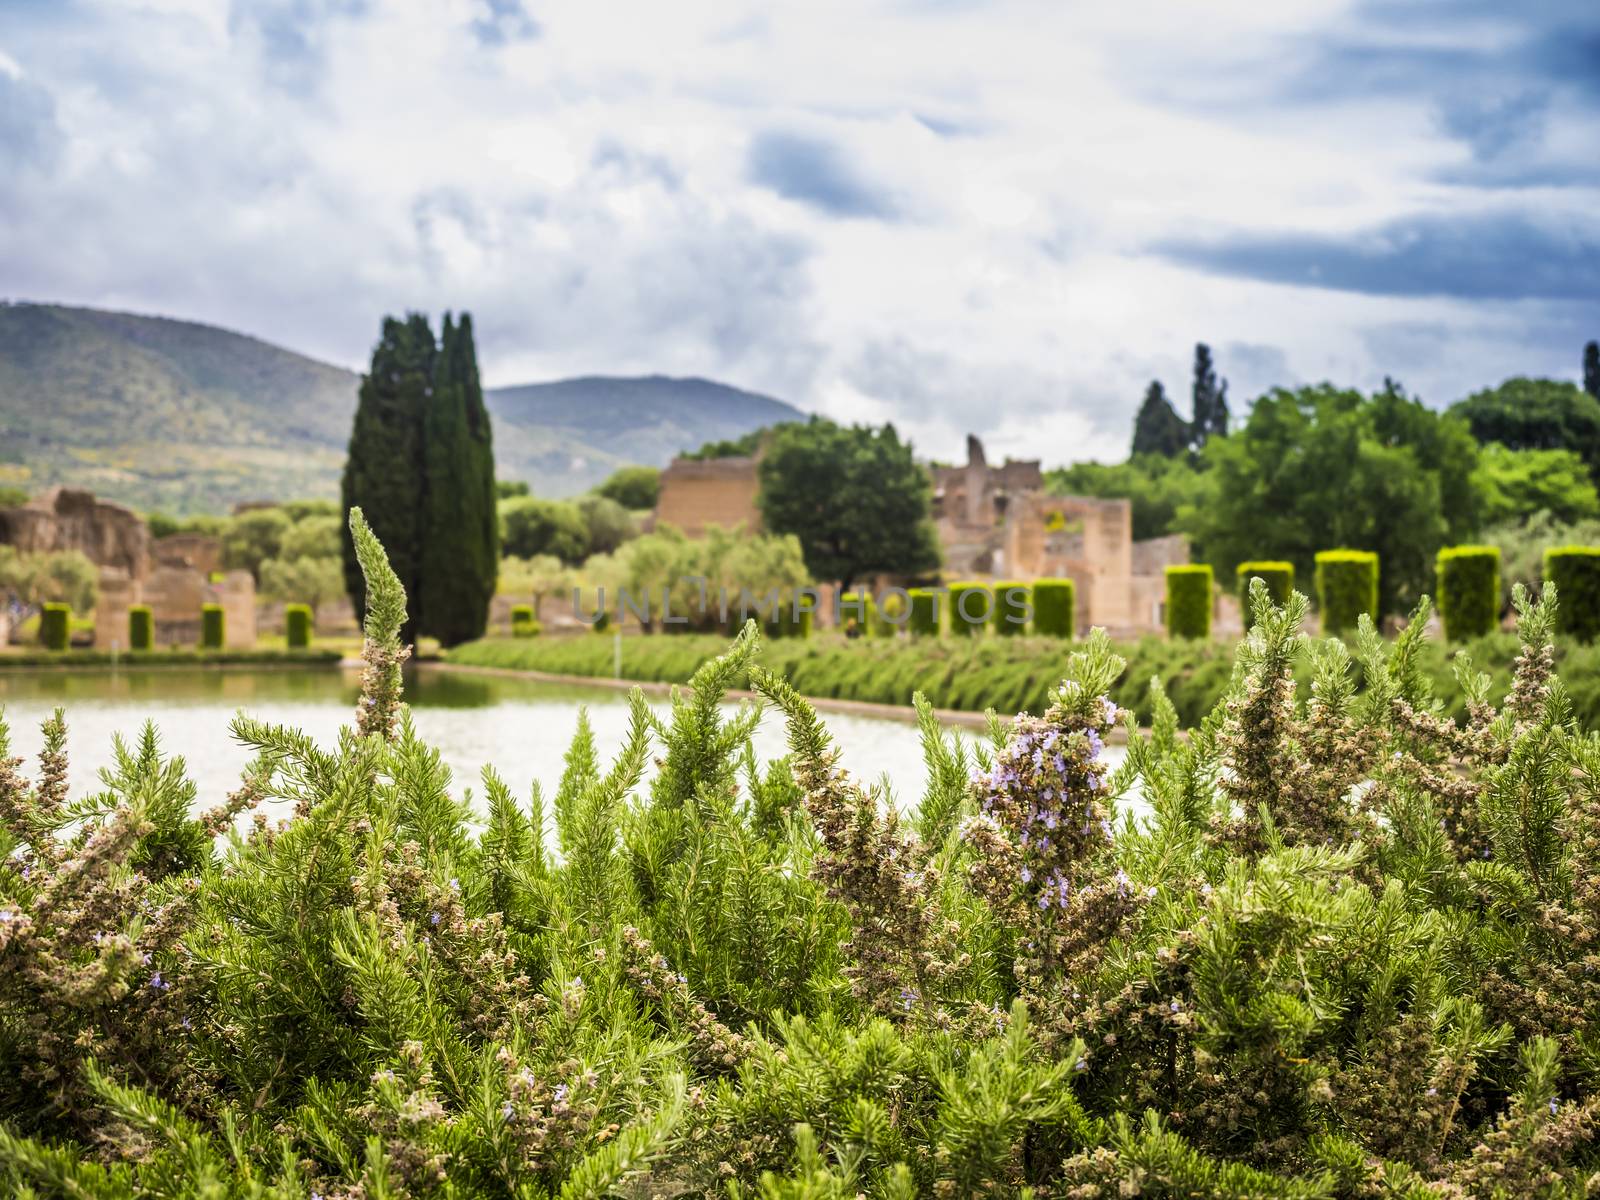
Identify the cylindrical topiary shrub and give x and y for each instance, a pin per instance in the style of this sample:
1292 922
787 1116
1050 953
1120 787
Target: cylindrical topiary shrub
969 608
1278 576
1575 570
785 622
297 626
1347 586
1009 613
856 610
523 622
1469 590
1189 601
891 616
141 628
212 626
55 626
924 620
1055 607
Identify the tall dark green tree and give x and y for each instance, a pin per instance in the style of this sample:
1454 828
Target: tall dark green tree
1158 429
460 551
384 471
421 467
1591 369
1210 396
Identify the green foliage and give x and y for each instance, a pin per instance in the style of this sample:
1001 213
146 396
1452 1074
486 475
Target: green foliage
1515 484
1011 608
1591 369
855 496
1322 949
1574 572
635 488
1055 608
923 620
1536 414
1320 466
1157 428
523 622
1188 606
533 528
607 524
506 489
63 576
1347 588
141 627
1278 576
1469 591
297 623
252 537
212 627
310 581
970 608
1158 488
55 626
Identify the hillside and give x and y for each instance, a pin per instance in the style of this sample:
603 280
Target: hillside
184 417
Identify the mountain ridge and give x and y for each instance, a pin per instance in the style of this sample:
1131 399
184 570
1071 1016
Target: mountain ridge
177 415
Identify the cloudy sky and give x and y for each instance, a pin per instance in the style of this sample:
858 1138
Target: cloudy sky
997 215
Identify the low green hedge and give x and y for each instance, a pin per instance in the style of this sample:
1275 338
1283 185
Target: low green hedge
1575 570
1469 590
141 628
1189 601
1055 607
212 626
297 626
1010 610
1347 586
523 622
1278 576
55 627
970 605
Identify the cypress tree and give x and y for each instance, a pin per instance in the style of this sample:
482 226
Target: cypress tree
384 471
1158 429
460 530
1591 369
1210 396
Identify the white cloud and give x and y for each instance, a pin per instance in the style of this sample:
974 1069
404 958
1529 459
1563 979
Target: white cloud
954 228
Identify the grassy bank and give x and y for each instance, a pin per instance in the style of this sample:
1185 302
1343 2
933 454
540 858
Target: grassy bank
1006 674
184 657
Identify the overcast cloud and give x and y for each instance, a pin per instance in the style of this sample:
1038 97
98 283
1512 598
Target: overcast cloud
1001 216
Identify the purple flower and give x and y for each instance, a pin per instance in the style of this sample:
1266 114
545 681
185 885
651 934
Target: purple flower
433 918
159 984
1110 709
1083 1065
1027 875
560 1094
506 1110
1553 1107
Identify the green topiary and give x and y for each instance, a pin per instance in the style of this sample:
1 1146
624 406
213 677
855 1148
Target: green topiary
212 626
969 608
523 623
1278 576
785 622
297 625
857 608
1055 612
1575 570
1469 590
1347 586
1189 601
55 626
891 616
924 620
1012 603
141 628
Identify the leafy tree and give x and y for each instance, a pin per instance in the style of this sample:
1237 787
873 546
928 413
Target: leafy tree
312 580
252 537
1516 484
855 497
460 549
1591 369
1210 397
1536 414
530 526
1320 468
1158 429
540 576
635 488
507 489
13 497
384 473
1159 488
608 523
30 581
315 536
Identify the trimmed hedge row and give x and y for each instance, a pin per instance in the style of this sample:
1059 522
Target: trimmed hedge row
1009 612
141 628
1575 570
1347 586
970 605
55 626
1055 608
1469 590
924 621
213 626
1189 601
523 623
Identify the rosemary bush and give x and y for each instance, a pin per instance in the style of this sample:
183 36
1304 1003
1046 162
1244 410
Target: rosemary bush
1345 948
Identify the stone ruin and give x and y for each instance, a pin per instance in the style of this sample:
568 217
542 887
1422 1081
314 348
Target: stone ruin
174 575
